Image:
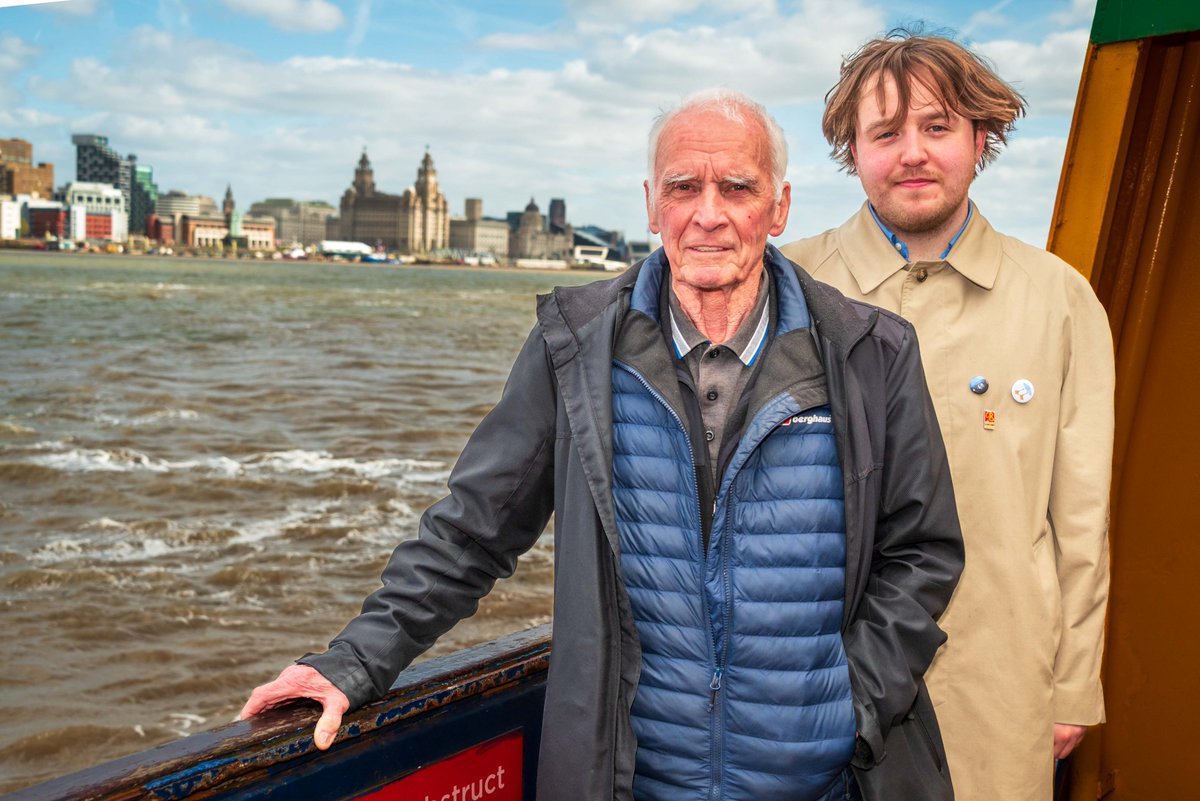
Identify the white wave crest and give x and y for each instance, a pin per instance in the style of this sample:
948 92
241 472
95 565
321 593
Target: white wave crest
151 418
126 460
96 460
312 462
118 544
61 456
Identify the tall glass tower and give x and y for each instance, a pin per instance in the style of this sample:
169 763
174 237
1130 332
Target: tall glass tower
96 161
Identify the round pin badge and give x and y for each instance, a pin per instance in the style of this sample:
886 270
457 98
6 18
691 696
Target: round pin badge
979 385
1022 390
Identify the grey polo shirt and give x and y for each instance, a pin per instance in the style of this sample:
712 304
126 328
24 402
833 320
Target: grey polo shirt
719 372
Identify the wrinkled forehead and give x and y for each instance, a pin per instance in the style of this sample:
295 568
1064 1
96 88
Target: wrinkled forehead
699 132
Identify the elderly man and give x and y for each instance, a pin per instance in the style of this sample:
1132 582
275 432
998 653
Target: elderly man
754 524
1019 361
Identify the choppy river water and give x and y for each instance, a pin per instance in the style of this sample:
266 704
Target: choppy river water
204 465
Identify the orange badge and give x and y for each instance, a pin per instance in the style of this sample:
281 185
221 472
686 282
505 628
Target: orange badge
989 419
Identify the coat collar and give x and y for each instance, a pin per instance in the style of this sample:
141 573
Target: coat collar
872 259
792 304
802 301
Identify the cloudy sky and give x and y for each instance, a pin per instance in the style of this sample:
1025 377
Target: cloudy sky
514 98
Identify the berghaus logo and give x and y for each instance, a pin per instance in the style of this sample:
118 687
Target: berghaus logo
808 419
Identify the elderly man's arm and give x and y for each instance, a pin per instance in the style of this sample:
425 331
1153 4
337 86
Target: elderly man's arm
916 561
499 503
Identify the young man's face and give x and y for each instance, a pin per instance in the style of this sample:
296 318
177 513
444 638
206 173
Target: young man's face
916 174
712 199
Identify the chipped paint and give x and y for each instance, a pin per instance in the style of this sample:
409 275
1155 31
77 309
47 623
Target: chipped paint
186 782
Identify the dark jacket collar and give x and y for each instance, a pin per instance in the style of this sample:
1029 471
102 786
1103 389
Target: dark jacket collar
802 299
793 311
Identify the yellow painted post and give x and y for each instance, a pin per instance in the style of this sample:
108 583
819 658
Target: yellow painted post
1104 113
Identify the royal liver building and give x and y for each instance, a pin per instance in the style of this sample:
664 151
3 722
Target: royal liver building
417 221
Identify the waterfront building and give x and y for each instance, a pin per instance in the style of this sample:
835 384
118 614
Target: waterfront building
10 218
143 196
557 216
640 250
47 218
590 235
19 175
175 203
205 231
97 211
417 221
296 223
207 205
535 239
95 197
96 161
228 230
161 229
173 206
475 235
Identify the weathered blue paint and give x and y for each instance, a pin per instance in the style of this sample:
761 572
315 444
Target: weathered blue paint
182 784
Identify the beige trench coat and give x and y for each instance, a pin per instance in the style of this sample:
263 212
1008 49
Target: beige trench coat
1026 623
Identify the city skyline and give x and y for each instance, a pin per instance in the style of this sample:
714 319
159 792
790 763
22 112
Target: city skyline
545 99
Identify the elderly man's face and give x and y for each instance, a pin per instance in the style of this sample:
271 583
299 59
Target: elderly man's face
916 174
712 200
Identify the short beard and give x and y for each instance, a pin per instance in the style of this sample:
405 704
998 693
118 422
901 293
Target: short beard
915 224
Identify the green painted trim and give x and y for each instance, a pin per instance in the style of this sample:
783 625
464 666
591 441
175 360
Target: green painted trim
1122 20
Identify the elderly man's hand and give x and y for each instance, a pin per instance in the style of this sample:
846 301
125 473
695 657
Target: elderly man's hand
301 681
1066 737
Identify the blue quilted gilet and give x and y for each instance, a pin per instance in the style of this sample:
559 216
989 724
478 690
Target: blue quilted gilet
744 690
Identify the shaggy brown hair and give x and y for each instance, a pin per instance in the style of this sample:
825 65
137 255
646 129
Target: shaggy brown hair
962 81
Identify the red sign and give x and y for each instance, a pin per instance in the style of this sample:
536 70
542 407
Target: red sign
489 771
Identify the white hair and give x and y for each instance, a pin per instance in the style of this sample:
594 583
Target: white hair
734 106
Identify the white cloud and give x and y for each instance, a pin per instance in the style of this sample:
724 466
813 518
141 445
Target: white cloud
304 16
173 15
663 10
1046 72
1029 170
987 18
16 54
78 8
362 23
24 119
779 62
984 20
552 39
1080 12
27 120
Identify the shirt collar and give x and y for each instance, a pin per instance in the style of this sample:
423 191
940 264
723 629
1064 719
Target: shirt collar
872 260
902 247
746 342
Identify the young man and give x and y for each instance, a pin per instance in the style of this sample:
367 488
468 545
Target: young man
1019 362
754 525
